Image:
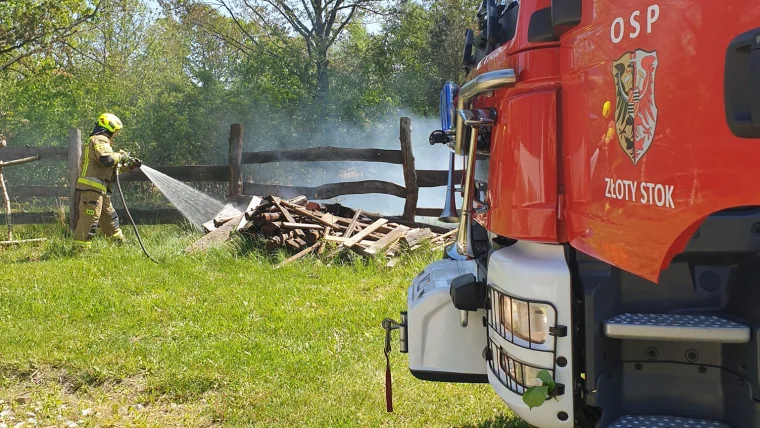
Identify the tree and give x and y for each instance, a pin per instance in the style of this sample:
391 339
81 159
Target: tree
39 26
289 26
422 49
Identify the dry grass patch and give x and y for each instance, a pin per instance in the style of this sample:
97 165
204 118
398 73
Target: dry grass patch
48 397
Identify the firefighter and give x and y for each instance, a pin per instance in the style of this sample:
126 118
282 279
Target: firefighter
99 167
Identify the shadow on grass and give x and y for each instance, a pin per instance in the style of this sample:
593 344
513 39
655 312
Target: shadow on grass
499 421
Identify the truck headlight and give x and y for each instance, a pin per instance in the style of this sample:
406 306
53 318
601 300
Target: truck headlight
522 322
514 374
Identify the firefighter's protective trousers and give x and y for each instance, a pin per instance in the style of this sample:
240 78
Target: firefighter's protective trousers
95 209
98 171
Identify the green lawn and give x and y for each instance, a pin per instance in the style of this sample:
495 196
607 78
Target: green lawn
112 339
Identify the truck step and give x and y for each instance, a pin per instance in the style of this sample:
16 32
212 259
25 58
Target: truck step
663 422
693 328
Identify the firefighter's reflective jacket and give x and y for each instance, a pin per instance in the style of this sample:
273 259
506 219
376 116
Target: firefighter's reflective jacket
98 167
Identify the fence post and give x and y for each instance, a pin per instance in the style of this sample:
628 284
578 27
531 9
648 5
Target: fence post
236 158
410 172
75 154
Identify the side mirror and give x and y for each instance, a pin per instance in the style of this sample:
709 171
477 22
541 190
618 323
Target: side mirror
492 24
468 61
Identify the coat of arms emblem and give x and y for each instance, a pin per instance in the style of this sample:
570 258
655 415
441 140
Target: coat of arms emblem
635 110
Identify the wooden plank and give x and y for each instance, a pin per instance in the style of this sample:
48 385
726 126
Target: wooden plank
19 161
431 212
410 174
352 225
191 173
209 226
300 200
386 241
39 191
287 215
436 178
222 220
235 156
416 237
330 219
342 240
214 238
312 215
299 255
326 191
328 232
227 213
45 153
446 235
436 229
359 236
255 202
288 225
323 154
333 238
75 154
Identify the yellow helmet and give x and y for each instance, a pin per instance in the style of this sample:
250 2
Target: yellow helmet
110 122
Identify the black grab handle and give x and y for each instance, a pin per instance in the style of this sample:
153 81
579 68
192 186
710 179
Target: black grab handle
742 85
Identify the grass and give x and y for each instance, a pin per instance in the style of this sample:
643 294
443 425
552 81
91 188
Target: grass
222 338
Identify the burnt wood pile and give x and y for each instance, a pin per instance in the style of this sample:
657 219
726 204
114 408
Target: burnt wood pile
302 227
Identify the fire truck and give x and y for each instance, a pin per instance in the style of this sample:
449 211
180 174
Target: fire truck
606 260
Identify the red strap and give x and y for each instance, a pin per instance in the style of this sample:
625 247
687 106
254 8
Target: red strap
388 391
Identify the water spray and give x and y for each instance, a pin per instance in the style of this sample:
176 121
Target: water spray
133 165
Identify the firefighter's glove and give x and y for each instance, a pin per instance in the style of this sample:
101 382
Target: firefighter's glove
124 157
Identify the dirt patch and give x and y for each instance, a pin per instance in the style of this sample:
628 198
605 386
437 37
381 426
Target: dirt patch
50 397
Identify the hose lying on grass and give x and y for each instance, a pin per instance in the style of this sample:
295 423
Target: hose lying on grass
129 216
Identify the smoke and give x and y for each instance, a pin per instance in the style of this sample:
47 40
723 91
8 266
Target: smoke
382 134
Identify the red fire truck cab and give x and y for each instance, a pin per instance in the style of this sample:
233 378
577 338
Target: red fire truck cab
607 252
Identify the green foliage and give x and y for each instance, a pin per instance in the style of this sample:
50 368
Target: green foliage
178 77
422 49
535 396
36 27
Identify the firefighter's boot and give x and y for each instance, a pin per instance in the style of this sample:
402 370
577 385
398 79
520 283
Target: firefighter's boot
109 222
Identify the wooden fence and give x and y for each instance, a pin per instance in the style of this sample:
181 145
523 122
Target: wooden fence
238 189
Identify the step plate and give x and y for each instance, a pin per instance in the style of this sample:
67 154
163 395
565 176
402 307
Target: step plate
696 328
663 422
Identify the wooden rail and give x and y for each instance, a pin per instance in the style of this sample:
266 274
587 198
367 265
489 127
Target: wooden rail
38 191
324 154
45 153
232 174
326 191
435 178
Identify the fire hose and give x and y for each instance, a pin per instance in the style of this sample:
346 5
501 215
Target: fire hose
129 216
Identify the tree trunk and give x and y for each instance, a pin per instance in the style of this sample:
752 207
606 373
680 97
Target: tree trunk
323 81
7 206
